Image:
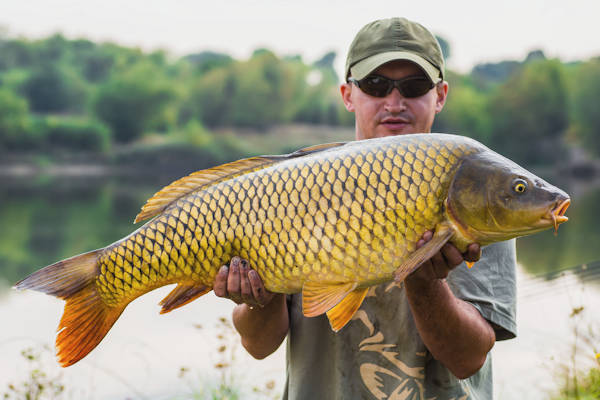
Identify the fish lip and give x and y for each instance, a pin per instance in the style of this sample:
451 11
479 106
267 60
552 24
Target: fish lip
557 216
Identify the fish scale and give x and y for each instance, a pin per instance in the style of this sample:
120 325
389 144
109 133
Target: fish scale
328 221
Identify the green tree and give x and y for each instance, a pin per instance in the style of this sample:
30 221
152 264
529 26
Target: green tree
529 114
208 60
465 111
325 65
14 121
133 102
586 97
15 53
211 97
255 93
445 46
261 93
49 89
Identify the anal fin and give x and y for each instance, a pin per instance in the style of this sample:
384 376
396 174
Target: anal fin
181 295
419 256
344 311
318 298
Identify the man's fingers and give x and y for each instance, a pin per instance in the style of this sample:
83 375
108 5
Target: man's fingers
452 255
233 280
220 285
261 294
245 286
473 253
439 264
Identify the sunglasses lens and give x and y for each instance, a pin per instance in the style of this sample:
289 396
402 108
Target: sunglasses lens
376 86
379 86
415 87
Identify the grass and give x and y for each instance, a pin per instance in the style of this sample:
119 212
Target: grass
581 375
37 384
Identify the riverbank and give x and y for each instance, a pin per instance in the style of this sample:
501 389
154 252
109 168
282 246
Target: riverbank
165 156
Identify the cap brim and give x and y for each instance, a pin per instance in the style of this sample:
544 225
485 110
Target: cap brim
369 64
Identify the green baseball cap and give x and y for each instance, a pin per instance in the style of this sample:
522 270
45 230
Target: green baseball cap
391 39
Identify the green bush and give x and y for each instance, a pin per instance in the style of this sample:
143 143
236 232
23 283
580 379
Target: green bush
50 89
134 102
76 134
586 389
14 119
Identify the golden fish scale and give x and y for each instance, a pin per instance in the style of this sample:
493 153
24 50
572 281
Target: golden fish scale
352 217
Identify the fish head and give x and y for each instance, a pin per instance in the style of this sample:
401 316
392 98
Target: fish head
492 199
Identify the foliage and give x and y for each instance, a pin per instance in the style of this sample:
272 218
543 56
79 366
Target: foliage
585 115
14 118
581 384
49 89
529 114
465 111
525 109
38 385
134 102
227 386
208 60
76 133
445 47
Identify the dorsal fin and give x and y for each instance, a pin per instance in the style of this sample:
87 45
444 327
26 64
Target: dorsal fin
181 187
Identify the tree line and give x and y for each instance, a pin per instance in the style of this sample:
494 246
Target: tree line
58 94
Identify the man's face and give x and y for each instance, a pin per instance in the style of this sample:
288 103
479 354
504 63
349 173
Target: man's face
393 114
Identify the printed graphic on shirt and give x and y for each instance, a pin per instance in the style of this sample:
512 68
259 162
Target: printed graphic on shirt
390 378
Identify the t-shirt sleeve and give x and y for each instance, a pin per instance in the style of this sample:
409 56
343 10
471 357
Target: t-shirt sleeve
490 286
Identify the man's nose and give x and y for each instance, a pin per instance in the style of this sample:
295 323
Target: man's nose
395 102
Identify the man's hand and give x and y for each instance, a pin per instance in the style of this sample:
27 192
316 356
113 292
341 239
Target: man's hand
444 261
261 317
453 330
241 284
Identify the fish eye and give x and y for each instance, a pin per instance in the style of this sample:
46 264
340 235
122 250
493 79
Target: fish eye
519 186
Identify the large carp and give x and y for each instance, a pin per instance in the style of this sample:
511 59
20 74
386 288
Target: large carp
328 221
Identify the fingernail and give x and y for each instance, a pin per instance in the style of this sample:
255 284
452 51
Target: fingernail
224 269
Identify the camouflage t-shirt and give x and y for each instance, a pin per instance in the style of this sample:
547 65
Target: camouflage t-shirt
379 353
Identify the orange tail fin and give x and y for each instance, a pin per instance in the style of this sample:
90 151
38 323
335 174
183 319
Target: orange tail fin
86 318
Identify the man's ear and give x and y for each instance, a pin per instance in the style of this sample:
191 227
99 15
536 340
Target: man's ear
442 94
346 90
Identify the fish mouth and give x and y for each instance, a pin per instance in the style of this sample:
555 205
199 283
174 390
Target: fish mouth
557 214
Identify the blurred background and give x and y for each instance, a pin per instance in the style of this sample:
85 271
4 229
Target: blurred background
103 103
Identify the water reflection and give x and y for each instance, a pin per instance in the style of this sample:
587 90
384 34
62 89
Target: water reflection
53 219
546 254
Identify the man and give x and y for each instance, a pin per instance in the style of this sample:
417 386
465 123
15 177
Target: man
428 338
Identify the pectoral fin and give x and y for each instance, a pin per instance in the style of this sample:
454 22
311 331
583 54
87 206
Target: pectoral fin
181 295
345 309
418 257
318 298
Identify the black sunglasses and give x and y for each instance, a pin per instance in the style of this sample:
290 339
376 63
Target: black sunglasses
380 86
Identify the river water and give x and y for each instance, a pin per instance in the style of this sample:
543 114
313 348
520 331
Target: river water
172 356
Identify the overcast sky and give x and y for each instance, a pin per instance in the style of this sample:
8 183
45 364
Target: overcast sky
478 30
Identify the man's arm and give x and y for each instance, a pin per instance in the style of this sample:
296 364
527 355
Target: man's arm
453 330
261 317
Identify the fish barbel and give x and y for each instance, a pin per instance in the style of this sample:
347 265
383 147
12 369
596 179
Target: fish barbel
328 221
